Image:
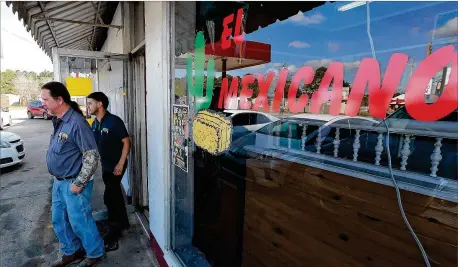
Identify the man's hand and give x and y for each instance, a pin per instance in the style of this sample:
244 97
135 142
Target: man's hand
75 189
118 169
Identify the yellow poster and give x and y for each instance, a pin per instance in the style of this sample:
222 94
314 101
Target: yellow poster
79 86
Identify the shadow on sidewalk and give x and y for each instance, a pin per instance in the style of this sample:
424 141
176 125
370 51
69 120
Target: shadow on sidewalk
134 248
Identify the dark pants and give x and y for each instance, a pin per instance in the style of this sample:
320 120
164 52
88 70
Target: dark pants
114 201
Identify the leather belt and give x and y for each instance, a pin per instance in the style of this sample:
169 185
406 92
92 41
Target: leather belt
65 178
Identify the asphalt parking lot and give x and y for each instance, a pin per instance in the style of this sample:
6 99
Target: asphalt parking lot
26 234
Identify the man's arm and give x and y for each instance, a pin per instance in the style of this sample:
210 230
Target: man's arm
84 138
126 148
90 163
121 132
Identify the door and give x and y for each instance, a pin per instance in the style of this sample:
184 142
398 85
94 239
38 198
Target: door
84 72
34 108
139 140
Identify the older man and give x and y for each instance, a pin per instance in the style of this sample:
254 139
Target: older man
72 159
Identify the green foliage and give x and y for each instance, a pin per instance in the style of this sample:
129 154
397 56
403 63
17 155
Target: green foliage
7 82
313 86
26 84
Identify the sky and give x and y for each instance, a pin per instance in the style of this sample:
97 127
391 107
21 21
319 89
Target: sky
19 50
314 38
318 37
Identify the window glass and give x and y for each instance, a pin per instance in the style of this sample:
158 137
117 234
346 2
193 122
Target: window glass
258 119
344 105
241 119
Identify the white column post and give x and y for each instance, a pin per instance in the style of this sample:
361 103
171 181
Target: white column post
379 149
318 142
436 157
303 137
405 152
356 145
336 143
158 57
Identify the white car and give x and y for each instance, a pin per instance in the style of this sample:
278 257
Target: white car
245 121
11 149
5 118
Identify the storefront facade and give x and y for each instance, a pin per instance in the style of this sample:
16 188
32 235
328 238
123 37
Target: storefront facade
280 146
286 162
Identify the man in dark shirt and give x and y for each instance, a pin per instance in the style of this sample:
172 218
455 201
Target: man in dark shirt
114 144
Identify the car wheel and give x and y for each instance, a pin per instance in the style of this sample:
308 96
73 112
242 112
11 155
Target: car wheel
29 114
45 116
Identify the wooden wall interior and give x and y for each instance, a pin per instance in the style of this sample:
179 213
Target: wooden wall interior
297 215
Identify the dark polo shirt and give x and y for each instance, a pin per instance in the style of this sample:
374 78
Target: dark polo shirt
108 134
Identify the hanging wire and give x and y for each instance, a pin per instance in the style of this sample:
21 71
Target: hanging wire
389 158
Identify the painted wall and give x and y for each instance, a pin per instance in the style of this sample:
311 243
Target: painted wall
157 52
9 99
114 42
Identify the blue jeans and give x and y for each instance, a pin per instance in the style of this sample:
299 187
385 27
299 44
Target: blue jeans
72 220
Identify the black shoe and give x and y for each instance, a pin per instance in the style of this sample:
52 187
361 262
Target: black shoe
76 257
112 246
91 262
125 227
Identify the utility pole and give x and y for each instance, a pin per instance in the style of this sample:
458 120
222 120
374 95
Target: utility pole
429 49
428 93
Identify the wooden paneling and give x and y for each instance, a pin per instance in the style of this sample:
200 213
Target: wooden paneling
296 215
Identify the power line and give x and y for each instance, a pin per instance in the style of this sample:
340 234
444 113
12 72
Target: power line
20 37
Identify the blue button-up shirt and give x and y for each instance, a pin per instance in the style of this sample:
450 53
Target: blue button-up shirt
72 136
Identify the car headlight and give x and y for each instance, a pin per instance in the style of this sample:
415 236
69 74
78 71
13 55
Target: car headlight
4 144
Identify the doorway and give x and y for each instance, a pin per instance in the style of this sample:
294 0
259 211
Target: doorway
84 72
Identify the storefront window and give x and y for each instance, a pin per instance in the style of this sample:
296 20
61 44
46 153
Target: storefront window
291 122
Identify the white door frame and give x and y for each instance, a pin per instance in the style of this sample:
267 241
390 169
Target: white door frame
58 52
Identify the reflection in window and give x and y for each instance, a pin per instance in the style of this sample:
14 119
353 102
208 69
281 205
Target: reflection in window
313 178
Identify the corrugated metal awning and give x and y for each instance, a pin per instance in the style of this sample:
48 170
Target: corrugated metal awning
73 25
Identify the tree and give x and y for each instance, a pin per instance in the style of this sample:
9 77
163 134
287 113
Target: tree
27 86
6 82
45 77
313 86
46 74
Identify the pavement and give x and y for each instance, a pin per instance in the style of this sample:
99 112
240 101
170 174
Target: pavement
26 234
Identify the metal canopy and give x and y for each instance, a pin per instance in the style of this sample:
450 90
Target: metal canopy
74 25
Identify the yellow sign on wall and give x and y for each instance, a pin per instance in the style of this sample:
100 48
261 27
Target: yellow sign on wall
79 86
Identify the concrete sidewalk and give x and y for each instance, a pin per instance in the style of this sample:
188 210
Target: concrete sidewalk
26 234
134 249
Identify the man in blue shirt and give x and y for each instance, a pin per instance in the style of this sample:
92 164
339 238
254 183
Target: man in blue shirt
72 159
114 144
